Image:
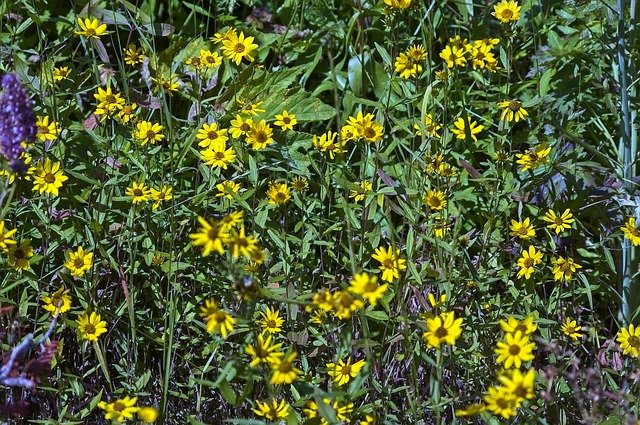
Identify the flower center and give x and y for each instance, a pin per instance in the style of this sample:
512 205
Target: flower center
346 370
119 406
138 192
212 135
507 14
18 254
514 350
110 98
558 221
91 31
49 178
78 263
441 332
285 367
90 329
260 137
634 341
514 105
245 127
523 231
239 48
286 120
151 134
528 262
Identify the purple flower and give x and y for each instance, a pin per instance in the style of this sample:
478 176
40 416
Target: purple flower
17 120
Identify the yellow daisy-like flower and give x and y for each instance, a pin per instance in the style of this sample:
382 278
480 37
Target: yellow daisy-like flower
133 55
60 73
454 55
482 57
210 136
6 237
398 4
522 229
48 177
630 230
278 193
470 410
464 129
342 372
159 196
240 126
512 110
506 11
109 102
571 329
299 184
59 301
558 222
435 200
211 236
563 268
520 384
227 189
273 410
513 325
629 339
271 321
79 262
18 255
168 84
344 305
47 131
148 132
127 113
120 410
501 401
218 156
417 52
367 287
260 135
240 244
91 326
327 143
286 121
515 350
360 193
238 47
210 59
443 329
390 263
533 158
219 37
406 66
283 371
248 108
264 351
217 320
91 28
139 192
430 126
528 259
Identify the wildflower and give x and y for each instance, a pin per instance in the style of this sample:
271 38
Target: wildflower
390 263
127 112
217 320
59 301
417 52
533 158
46 130
435 200
366 127
148 132
463 127
248 108
18 255
6 237
211 237
283 371
109 102
344 305
264 350
406 66
233 219
513 325
48 177
367 287
506 11
430 126
120 410
512 110
211 136
60 73
559 223
160 196
342 412
348 133
17 120
514 350
501 401
398 4
327 143
443 329
210 59
237 47
563 268
240 127
519 384
260 136
227 189
342 372
169 85
435 304
522 229
368 420
440 228
299 184
470 410
482 57
133 55
278 193
218 156
195 62
528 259
148 414
453 56
571 329
139 192
271 321
631 232
79 262
363 188
629 339
91 28
286 121
219 37
273 411
91 326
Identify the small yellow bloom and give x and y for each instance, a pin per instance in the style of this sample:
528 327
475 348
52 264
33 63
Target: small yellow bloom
59 301
507 11
79 262
342 372
91 326
91 28
630 230
286 121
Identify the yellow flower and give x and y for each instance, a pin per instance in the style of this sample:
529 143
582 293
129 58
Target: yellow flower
6 237
327 143
91 28
559 223
506 11
342 372
630 230
210 59
227 189
367 287
148 132
571 329
299 184
264 351
237 47
240 126
482 56
344 305
501 401
120 410
283 371
417 52
219 37
18 255
160 196
127 113
512 110
563 268
398 4
91 326
233 219
133 55
435 200
46 130
48 177
272 411
454 55
60 73
260 135
286 121
248 108
109 102
533 158
278 193
470 410
359 194
139 192
513 325
218 156
210 136
430 126
515 350
148 414
464 129
529 259
211 237
390 263
169 85
217 320
79 262
629 339
58 300
519 384
443 329
522 229
366 127
406 66
271 321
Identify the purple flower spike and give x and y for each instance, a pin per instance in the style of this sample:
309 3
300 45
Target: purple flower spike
17 120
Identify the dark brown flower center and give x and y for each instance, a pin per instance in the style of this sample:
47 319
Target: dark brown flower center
441 332
514 350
